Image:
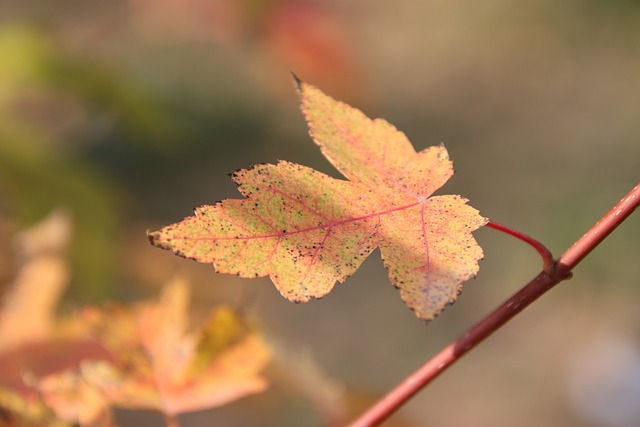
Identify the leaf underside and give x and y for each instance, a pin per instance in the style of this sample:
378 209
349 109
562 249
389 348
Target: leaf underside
308 231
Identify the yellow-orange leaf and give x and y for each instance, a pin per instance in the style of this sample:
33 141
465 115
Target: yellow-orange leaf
159 364
27 312
308 231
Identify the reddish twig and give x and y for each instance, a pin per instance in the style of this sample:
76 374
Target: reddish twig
547 258
491 323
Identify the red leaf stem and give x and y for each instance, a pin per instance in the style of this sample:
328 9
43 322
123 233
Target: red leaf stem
492 322
547 258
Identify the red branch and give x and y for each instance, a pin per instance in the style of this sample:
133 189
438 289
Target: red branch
492 322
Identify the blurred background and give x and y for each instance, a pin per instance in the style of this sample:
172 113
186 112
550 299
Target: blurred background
129 113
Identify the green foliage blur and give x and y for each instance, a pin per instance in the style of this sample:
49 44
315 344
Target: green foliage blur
79 133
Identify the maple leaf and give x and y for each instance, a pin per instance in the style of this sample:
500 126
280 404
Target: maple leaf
308 231
158 364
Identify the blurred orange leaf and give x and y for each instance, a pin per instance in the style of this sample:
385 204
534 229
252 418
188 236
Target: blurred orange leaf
159 364
310 39
39 356
59 372
28 309
308 231
282 34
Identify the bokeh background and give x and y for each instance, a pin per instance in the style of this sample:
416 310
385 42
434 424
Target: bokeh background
129 113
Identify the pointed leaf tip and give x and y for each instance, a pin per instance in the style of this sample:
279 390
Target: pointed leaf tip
297 83
151 236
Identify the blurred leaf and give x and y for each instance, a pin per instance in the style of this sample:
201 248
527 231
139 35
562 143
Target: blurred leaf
160 365
34 348
28 309
309 39
145 357
288 34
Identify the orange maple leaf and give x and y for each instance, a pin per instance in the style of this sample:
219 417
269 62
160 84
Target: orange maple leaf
159 365
308 231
